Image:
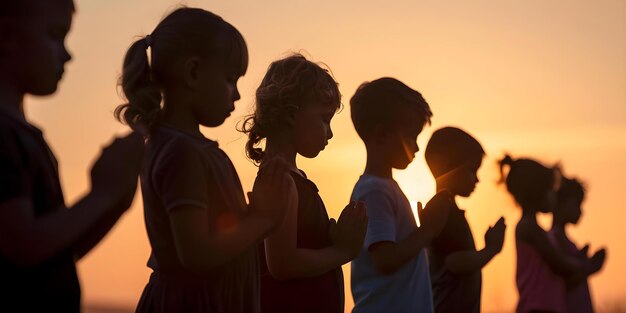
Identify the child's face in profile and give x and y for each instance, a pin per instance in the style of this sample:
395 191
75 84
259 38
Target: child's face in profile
570 209
401 140
311 131
216 98
37 49
463 179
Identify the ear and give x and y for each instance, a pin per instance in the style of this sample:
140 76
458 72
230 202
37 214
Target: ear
191 73
380 134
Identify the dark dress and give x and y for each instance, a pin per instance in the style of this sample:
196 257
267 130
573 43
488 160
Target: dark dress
180 169
319 294
454 293
28 169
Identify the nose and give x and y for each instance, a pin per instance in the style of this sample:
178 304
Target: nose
329 133
66 55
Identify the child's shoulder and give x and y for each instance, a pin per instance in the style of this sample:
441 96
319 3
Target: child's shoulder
374 182
369 184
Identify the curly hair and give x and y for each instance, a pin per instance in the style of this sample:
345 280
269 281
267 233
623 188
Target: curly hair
289 84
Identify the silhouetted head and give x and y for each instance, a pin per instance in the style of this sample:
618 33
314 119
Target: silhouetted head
454 157
570 198
388 116
32 43
532 184
194 53
296 97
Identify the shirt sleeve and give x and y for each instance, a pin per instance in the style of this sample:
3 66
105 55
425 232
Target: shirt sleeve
180 178
14 176
380 213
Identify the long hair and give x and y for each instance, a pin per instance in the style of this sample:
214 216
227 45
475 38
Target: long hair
183 33
528 180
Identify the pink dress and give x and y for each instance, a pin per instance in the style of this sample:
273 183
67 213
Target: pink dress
540 289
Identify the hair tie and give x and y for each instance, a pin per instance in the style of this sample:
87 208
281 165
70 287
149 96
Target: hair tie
148 40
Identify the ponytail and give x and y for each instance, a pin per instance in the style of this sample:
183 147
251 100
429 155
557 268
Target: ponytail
508 161
528 180
139 89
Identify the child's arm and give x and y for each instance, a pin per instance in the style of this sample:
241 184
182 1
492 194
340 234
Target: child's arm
286 261
99 230
203 247
597 261
389 256
559 261
28 240
469 260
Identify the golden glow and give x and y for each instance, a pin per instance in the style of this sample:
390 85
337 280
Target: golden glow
534 78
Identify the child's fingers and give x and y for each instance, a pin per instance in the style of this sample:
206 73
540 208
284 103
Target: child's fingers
331 224
347 209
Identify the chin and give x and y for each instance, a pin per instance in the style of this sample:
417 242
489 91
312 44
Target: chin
45 90
212 123
402 165
309 154
465 194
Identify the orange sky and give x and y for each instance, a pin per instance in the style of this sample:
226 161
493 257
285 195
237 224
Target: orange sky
536 78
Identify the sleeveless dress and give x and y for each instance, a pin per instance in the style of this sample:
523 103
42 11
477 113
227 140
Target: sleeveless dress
323 293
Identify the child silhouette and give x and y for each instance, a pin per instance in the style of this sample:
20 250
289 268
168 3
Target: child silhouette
40 237
391 271
202 233
541 266
301 260
454 158
568 211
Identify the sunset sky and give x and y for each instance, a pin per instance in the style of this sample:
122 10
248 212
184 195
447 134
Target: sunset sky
544 79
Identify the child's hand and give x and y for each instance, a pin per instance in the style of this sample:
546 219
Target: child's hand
433 217
494 237
597 260
583 253
114 174
349 231
269 196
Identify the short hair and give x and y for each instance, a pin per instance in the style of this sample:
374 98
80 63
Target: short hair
381 102
450 148
571 188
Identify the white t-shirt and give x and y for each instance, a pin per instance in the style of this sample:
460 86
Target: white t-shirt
390 219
